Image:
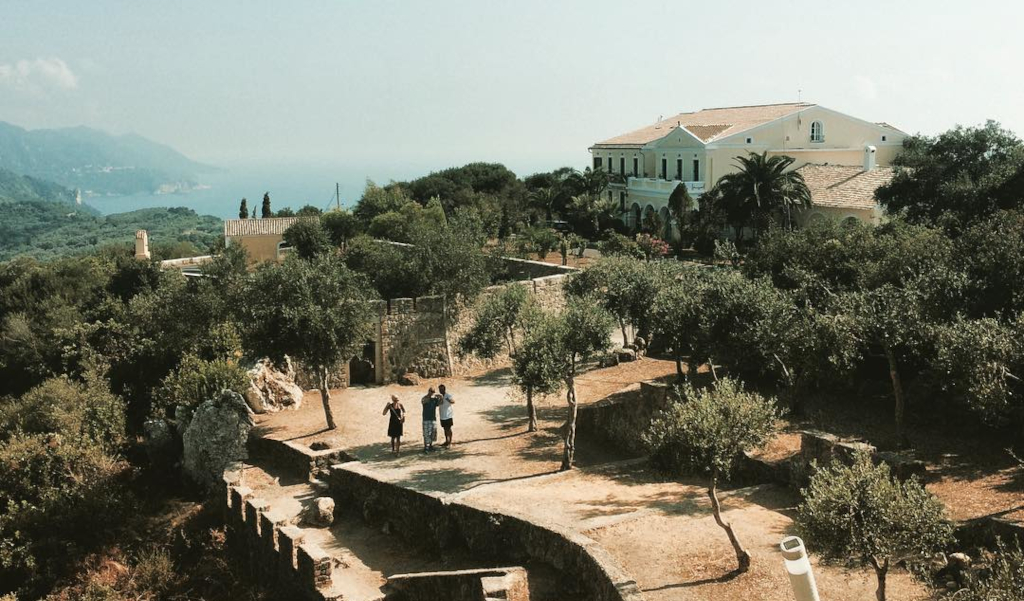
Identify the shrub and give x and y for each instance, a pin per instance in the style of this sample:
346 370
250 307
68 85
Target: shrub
617 244
197 380
70 409
651 247
1003 582
62 495
307 238
860 513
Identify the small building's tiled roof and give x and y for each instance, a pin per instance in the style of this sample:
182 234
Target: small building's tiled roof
844 187
269 226
708 124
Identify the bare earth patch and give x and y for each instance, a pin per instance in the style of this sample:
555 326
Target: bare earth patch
660 530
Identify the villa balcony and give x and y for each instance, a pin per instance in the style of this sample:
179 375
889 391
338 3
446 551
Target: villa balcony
653 185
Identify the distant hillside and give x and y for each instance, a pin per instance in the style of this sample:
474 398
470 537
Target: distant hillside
95 161
40 219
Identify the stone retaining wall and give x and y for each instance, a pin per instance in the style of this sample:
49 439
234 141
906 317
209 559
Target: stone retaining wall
293 457
274 553
524 269
446 524
620 422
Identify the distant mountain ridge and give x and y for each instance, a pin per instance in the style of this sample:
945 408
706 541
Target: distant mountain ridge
97 162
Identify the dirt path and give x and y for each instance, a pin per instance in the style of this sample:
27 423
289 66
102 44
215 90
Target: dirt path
660 531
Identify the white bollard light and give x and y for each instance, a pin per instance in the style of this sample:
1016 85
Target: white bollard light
801 578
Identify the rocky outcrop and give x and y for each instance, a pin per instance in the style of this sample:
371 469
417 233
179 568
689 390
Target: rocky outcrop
215 438
272 389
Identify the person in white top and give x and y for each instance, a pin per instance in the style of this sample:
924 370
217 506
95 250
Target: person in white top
447 415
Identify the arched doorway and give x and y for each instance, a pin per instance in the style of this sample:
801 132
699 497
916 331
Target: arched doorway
633 217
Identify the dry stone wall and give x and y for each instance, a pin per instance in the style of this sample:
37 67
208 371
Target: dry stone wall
443 523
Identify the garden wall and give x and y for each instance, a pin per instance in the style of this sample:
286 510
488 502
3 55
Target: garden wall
505 539
619 422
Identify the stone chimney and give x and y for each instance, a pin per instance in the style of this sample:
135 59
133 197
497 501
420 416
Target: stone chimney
869 158
142 245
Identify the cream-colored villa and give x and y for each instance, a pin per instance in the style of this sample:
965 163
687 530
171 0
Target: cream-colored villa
843 159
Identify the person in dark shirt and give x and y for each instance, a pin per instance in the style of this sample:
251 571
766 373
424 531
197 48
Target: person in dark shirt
430 403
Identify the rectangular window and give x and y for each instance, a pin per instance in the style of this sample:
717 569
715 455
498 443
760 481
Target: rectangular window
883 138
664 168
696 170
636 166
679 168
622 165
750 140
622 201
609 194
597 163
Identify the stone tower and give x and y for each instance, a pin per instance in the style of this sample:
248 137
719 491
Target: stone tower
142 245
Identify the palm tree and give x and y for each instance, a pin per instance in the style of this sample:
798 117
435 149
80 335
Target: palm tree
592 209
589 181
761 186
543 200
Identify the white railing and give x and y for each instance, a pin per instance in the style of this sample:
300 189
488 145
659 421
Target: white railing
650 184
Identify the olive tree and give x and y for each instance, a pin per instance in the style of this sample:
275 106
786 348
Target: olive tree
860 512
889 318
706 430
581 331
536 364
626 287
314 311
500 319
308 237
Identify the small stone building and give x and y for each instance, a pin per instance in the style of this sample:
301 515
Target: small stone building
262 239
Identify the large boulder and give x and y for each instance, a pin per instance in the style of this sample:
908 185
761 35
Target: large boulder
272 389
215 438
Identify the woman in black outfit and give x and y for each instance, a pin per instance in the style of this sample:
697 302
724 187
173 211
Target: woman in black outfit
395 423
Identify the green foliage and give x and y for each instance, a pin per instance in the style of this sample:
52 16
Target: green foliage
957 177
265 209
307 238
408 223
341 226
70 409
540 240
313 311
445 259
377 201
860 513
61 495
197 380
977 359
626 287
619 245
763 189
706 430
538 364
51 230
500 317
243 209
1003 582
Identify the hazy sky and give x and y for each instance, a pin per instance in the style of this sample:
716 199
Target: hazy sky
530 84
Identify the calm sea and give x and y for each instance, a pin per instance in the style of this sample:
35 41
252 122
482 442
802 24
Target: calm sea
288 186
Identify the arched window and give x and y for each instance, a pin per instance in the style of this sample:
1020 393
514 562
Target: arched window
817 132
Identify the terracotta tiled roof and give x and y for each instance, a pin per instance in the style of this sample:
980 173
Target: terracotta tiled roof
258 227
708 124
844 187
